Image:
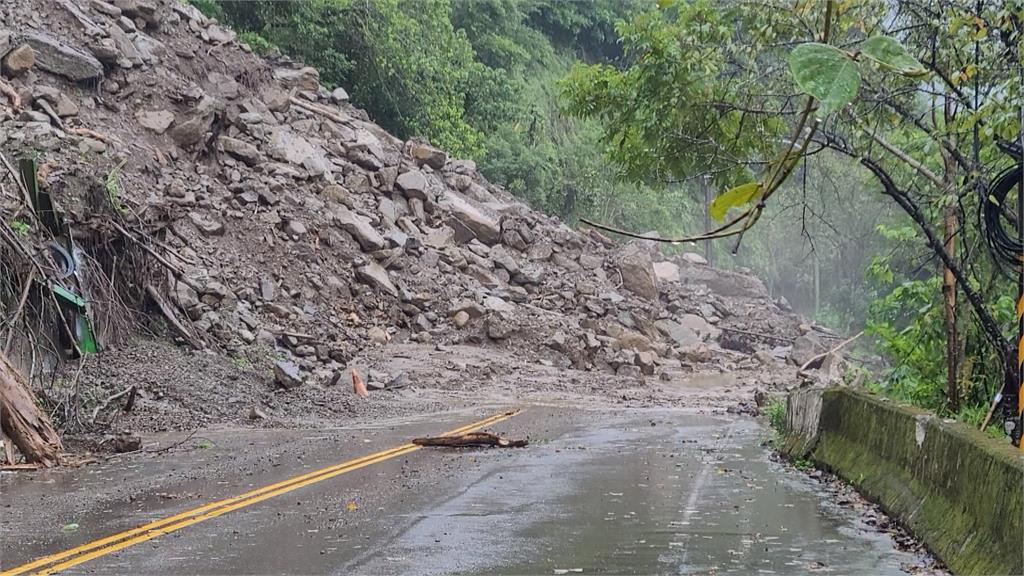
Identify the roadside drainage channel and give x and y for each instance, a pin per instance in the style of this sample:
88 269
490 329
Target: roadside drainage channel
958 491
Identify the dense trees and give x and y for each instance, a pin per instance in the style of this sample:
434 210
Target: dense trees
915 94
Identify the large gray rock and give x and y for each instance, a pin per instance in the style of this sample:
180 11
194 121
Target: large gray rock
425 154
360 229
18 61
374 275
666 271
634 262
413 184
287 374
240 149
700 326
288 146
804 348
483 227
58 58
681 335
156 120
304 79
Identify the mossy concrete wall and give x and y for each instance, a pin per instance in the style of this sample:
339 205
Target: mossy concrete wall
959 491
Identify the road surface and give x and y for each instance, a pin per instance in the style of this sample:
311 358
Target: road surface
633 491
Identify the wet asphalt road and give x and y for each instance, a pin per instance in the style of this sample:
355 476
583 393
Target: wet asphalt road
596 492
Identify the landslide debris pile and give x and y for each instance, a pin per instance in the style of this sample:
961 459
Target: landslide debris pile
280 217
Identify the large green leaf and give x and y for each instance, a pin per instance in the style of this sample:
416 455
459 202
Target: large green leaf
891 54
731 198
826 73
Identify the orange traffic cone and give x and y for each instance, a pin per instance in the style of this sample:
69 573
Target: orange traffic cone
357 385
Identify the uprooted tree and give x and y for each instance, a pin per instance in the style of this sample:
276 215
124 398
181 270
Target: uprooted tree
917 93
23 421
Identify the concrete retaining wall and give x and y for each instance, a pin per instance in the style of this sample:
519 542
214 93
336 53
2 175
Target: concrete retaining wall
959 491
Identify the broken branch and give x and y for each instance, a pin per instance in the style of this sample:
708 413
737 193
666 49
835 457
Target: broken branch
470 439
165 309
11 94
836 348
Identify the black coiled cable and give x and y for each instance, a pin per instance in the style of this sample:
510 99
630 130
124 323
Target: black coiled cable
1000 220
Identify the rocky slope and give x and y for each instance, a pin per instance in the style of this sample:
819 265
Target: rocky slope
293 238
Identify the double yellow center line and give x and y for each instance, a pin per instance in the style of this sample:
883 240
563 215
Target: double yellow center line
85 552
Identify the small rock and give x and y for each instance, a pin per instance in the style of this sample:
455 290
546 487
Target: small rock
206 225
378 335
256 414
295 228
126 442
461 318
499 327
339 95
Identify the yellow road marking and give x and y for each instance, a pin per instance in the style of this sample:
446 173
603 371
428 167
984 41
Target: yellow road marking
88 551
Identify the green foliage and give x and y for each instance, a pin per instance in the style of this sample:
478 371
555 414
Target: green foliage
732 198
890 54
826 73
656 119
209 8
402 61
112 185
20 227
776 413
258 43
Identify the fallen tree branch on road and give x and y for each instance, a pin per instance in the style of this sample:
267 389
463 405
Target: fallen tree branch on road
470 439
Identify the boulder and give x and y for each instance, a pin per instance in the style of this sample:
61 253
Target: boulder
18 61
141 9
413 184
375 276
58 58
425 154
307 78
241 150
483 227
666 271
681 335
360 229
700 326
804 348
646 361
694 258
288 146
339 95
287 374
630 340
155 120
634 262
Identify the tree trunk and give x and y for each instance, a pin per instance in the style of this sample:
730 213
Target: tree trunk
21 419
949 224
